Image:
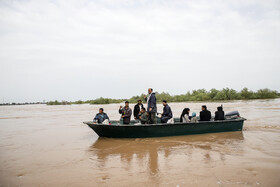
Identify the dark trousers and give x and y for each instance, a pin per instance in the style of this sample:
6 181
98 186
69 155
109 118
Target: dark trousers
164 119
152 118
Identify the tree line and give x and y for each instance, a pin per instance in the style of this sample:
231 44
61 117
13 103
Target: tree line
195 95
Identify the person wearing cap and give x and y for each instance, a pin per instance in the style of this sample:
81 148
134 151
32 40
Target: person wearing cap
167 112
126 113
205 115
220 114
137 109
101 116
194 118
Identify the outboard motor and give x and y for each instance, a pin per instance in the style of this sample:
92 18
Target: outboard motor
233 115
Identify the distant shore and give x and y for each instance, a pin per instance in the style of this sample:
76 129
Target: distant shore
195 95
26 103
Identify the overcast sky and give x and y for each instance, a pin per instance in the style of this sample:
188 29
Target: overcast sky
71 50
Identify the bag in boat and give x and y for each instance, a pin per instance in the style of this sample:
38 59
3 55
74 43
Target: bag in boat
106 122
170 120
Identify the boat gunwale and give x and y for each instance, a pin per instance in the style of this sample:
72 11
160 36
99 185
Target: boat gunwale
164 124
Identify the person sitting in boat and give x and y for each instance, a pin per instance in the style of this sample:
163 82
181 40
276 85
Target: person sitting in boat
220 114
126 113
143 116
137 109
194 118
185 115
205 115
167 113
101 116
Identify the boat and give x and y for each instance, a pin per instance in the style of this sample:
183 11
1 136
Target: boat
135 130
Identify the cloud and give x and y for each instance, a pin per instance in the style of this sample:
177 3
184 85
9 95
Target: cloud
86 49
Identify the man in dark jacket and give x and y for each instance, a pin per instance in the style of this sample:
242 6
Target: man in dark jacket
126 113
167 113
152 105
137 109
205 115
101 116
220 114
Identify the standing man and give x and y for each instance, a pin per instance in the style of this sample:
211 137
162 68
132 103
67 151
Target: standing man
205 115
167 112
152 105
126 113
137 109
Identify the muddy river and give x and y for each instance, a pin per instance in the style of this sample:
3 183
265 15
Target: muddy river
50 146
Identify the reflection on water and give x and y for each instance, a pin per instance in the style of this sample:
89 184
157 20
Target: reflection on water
150 149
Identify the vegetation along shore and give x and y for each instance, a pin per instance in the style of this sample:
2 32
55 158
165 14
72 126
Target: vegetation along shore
195 95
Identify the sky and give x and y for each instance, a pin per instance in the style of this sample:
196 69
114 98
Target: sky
80 50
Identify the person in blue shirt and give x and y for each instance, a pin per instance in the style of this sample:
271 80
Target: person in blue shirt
101 116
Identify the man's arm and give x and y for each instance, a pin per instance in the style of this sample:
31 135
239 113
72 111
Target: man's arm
107 117
152 101
170 113
96 117
135 111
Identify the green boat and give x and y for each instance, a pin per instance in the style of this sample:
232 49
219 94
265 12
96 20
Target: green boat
134 130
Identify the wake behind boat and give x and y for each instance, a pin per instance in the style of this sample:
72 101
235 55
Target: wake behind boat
135 130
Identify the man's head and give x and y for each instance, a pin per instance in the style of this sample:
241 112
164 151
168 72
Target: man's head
139 101
150 90
164 102
203 107
100 110
220 108
143 110
126 103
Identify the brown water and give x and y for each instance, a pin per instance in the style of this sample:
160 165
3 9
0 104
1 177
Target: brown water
49 146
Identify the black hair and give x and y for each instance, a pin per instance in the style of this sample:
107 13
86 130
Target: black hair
204 106
220 108
143 108
126 102
164 101
139 100
101 109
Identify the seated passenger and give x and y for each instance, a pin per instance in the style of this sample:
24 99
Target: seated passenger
194 118
126 113
167 113
220 114
185 111
205 115
186 117
101 116
143 116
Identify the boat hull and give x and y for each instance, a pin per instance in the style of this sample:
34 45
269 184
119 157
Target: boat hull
161 130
